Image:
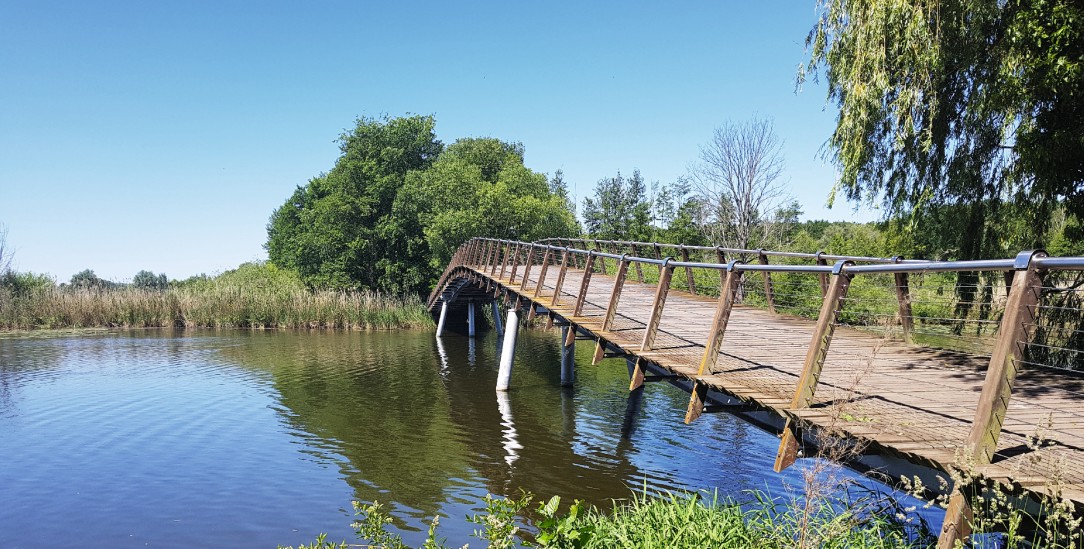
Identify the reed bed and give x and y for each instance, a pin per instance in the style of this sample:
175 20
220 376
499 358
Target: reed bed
214 303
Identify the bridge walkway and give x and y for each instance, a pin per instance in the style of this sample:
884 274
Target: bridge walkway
913 402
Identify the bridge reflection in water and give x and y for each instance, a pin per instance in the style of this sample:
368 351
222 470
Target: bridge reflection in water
925 366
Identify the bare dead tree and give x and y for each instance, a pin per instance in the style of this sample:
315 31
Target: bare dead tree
738 178
5 252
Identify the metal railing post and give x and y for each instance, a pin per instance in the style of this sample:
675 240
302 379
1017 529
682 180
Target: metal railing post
688 271
823 277
769 295
1005 362
903 295
658 254
814 360
721 259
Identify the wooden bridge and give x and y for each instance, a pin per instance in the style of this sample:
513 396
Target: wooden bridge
948 366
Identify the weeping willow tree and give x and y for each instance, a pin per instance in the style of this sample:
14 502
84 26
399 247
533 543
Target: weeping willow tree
961 118
969 104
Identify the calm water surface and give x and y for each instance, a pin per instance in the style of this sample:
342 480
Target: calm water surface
253 439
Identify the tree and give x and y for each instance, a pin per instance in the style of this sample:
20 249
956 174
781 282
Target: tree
620 209
334 230
147 280
961 107
559 188
86 279
477 187
675 211
5 252
738 178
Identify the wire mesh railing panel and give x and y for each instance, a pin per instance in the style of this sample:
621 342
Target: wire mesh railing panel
957 311
1057 332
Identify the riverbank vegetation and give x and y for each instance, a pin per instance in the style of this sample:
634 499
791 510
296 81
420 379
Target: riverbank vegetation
255 295
666 521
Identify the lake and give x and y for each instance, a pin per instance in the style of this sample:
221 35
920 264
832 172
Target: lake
252 439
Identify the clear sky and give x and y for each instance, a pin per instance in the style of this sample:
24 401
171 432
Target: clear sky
161 135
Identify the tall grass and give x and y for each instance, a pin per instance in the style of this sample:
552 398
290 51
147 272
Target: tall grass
660 521
253 296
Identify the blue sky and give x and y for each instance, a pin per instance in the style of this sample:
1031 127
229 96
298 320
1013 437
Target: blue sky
160 136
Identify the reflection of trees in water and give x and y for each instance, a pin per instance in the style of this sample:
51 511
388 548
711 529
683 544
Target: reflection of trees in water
412 427
420 425
546 421
375 399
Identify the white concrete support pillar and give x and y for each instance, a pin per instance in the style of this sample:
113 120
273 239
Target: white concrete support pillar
568 357
508 351
443 315
470 319
497 318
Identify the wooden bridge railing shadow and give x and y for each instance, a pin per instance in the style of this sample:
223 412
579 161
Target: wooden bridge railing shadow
942 364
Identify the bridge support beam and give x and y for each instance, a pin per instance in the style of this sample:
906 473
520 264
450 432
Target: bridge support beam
997 388
508 350
470 319
568 356
814 360
443 316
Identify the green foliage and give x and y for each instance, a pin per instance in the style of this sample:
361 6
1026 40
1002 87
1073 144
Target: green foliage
478 187
968 104
676 212
677 521
320 543
396 206
146 280
620 209
563 531
24 285
331 230
87 279
372 527
498 523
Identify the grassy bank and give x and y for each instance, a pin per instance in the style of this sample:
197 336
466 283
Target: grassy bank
668 521
252 296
